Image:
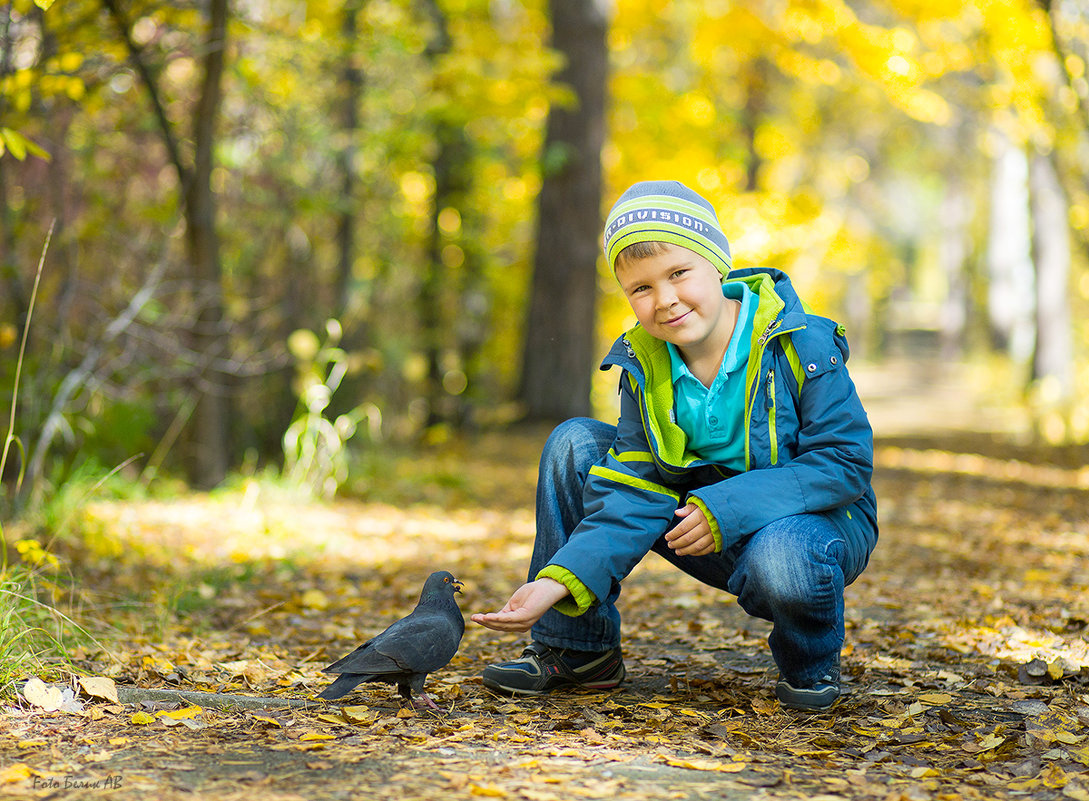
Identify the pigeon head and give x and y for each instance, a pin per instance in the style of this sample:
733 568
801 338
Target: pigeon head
440 584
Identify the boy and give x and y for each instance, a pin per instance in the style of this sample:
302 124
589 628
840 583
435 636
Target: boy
742 455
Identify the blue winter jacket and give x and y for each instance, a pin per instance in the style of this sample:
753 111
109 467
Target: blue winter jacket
808 448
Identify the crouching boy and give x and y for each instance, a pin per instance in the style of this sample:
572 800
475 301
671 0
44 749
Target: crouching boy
742 455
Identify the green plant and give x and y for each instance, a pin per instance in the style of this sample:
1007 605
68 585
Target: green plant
315 447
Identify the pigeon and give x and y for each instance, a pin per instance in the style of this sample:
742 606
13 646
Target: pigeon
408 650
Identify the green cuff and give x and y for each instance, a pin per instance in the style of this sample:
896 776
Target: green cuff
580 598
710 521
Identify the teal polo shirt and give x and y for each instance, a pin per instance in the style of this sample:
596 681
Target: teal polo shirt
714 417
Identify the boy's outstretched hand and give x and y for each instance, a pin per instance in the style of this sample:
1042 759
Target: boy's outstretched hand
692 536
525 607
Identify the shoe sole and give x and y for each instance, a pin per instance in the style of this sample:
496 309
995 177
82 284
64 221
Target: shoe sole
807 708
611 684
801 706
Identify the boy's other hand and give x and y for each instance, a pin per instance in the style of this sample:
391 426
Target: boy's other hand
525 607
692 535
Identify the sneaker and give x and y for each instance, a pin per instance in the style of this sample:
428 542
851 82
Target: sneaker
541 669
817 698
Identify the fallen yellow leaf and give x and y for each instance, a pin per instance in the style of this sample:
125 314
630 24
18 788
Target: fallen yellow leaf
315 599
181 714
42 695
15 773
1075 793
158 665
314 735
704 764
99 687
1079 754
1022 785
141 719
1054 777
692 713
936 699
358 715
489 791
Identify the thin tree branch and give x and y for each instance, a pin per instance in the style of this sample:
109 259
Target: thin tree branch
139 63
82 375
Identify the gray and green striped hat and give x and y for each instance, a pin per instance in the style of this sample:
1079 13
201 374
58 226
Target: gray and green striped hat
666 211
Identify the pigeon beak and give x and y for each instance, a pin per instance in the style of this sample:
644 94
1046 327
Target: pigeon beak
457 586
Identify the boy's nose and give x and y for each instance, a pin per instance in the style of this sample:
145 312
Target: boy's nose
666 300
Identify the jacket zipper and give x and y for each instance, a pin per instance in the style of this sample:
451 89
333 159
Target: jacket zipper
758 353
769 392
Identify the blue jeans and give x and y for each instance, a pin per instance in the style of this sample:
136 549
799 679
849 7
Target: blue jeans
791 572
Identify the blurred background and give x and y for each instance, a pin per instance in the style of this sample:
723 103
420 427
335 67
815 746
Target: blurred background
243 237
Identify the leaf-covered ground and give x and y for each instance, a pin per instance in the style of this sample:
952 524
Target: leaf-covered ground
967 658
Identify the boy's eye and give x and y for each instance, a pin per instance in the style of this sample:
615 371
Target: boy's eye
680 272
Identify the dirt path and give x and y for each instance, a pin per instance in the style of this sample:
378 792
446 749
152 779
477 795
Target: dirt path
967 660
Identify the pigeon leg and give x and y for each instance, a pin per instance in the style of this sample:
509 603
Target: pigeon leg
427 702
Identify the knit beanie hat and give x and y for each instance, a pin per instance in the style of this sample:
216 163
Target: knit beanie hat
666 211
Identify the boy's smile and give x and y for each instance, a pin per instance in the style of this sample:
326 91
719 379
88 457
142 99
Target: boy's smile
676 295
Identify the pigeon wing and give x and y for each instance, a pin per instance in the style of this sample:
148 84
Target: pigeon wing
428 643
364 659
398 649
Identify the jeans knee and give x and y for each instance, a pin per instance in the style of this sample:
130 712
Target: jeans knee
779 583
785 573
574 446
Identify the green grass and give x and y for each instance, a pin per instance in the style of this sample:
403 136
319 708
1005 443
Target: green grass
35 638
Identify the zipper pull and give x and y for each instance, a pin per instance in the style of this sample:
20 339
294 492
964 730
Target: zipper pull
768 332
769 390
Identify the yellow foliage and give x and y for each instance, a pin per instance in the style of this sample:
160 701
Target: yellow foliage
34 554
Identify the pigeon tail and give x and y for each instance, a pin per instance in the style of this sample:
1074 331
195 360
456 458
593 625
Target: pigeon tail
344 684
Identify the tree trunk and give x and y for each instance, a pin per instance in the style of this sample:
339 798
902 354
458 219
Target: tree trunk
207 455
954 246
447 279
451 167
351 87
755 81
209 448
1054 355
560 346
1009 262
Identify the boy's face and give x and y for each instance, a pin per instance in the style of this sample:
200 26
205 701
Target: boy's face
677 297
